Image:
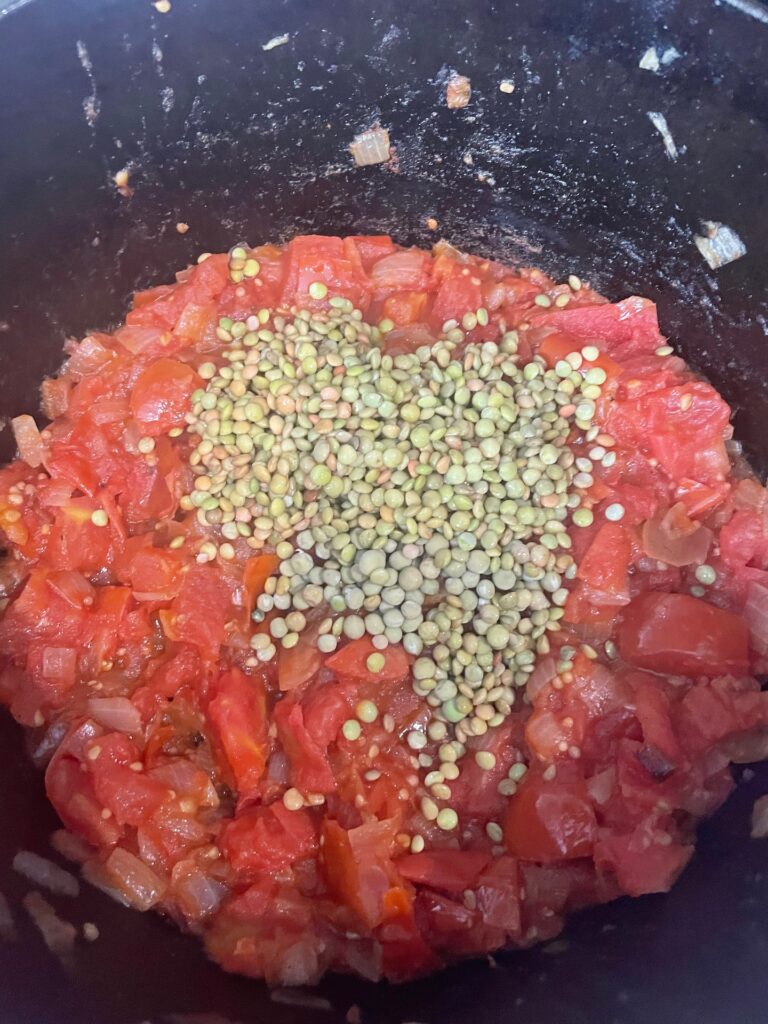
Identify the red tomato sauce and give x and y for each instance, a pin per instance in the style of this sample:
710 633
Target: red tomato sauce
232 795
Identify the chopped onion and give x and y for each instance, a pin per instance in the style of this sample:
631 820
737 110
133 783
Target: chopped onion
54 397
115 713
187 780
665 541
88 355
756 616
600 786
198 893
76 590
747 747
70 846
59 935
55 493
458 90
371 147
28 440
135 882
719 244
44 872
760 818
60 664
43 746
110 410
7 926
136 339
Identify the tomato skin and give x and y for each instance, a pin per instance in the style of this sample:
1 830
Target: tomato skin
679 634
160 397
239 714
549 821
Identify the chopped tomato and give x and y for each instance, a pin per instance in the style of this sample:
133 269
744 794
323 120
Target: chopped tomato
358 868
605 566
549 821
335 262
257 571
557 346
450 870
677 633
350 662
643 861
160 397
310 769
624 327
406 270
268 839
239 714
201 610
405 308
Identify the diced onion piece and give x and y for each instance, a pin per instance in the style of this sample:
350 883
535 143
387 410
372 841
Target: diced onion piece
760 818
601 786
719 245
371 147
756 616
134 881
59 935
28 440
60 664
54 395
73 848
747 747
458 90
115 713
198 894
665 541
42 871
88 355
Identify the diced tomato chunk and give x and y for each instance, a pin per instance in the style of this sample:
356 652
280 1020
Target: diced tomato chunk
549 821
160 397
677 633
239 714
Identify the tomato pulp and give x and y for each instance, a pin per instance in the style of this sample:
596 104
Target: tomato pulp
297 811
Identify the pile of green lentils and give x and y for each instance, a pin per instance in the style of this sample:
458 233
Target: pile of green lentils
422 499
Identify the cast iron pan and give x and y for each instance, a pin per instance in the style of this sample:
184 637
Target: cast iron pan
567 172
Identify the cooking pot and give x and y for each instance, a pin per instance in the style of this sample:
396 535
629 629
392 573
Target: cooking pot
234 117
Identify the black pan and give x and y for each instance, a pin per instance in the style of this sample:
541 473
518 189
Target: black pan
568 172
